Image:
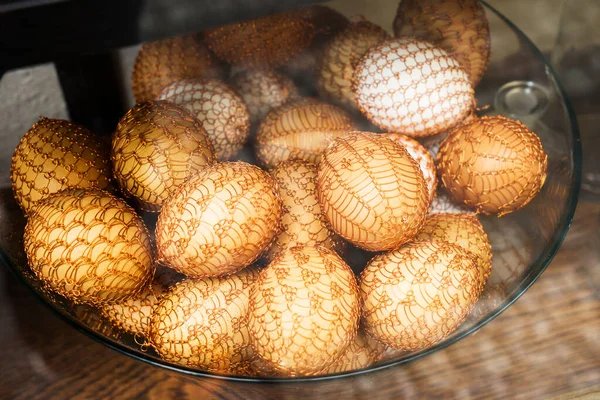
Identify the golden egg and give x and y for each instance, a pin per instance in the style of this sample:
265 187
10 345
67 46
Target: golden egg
88 246
361 353
443 203
168 60
340 57
302 221
222 112
219 220
372 191
54 155
410 86
263 90
415 296
301 129
458 26
494 164
204 322
304 311
156 146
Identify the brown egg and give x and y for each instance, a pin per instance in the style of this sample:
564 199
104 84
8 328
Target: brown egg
410 86
304 311
54 155
302 221
301 129
458 26
88 246
494 164
421 156
340 57
156 146
222 112
361 353
463 230
204 322
442 203
417 295
168 60
219 220
263 90
372 191
264 42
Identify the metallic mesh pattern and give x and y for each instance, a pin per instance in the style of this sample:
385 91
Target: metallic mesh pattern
458 26
443 203
340 57
204 323
362 352
219 220
410 86
156 146
371 191
88 246
302 221
269 41
301 129
263 90
417 295
168 60
494 164
304 311
54 155
223 113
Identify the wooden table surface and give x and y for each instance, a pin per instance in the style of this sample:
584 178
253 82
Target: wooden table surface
547 345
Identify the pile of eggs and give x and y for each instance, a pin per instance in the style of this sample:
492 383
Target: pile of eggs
243 269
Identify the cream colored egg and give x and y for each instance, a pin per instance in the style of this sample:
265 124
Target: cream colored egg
219 221
222 112
304 311
204 322
372 191
54 155
417 295
360 354
411 86
88 246
155 148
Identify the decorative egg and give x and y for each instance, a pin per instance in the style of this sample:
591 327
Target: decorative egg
361 353
168 60
222 112
301 129
443 203
88 246
340 57
494 164
415 296
302 221
219 221
372 191
304 311
54 155
411 86
458 26
204 322
156 146
263 90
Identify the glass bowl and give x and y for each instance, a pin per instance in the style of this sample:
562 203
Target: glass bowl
518 83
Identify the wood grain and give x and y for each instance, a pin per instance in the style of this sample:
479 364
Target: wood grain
547 345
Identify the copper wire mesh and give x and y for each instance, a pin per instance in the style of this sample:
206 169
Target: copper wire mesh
204 323
494 164
371 191
55 155
157 146
168 60
417 295
410 86
222 112
88 246
458 26
219 221
304 311
301 129
362 352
